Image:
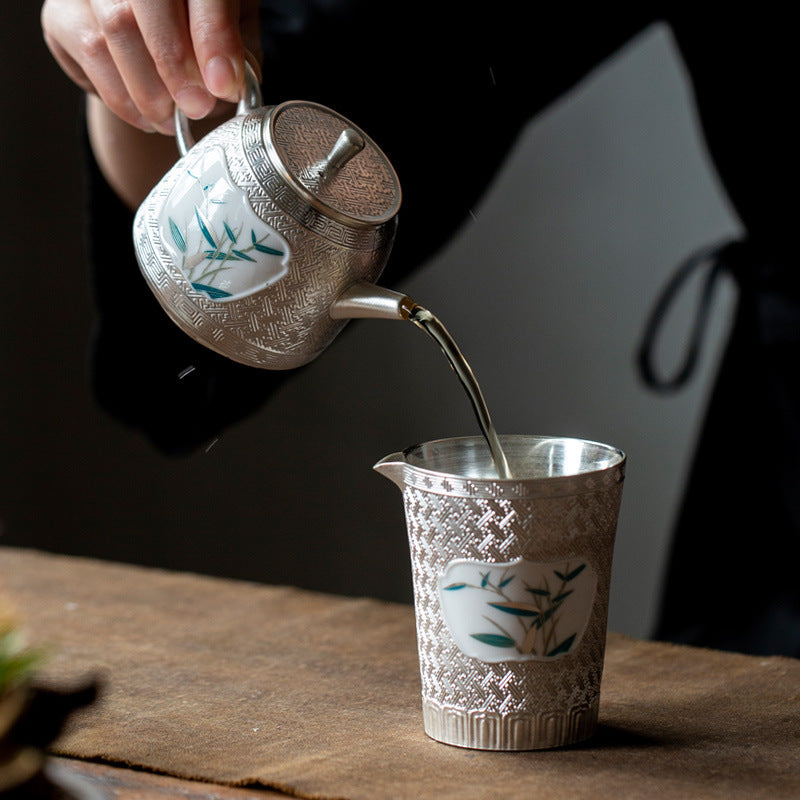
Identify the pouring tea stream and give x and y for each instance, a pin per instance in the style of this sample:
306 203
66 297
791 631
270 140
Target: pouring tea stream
269 234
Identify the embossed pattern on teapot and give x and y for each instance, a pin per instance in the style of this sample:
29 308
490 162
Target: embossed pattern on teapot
268 234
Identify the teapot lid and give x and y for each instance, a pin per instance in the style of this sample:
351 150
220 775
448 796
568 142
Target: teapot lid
334 165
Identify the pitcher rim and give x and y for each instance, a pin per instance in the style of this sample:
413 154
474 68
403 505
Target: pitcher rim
452 483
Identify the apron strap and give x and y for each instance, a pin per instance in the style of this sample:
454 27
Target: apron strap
716 259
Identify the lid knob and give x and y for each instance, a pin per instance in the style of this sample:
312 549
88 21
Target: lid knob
350 143
330 164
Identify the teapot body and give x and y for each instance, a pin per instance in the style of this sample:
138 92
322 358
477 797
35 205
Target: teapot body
247 251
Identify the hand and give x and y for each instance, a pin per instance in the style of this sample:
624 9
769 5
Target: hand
141 57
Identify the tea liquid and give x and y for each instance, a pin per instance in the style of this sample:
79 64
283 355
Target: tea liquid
423 318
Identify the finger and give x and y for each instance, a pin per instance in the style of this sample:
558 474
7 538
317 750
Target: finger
73 36
218 46
164 27
134 63
57 21
69 65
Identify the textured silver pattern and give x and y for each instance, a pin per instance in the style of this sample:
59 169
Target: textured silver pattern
288 323
283 192
484 730
509 705
455 486
304 134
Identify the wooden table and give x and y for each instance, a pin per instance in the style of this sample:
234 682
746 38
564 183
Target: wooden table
224 689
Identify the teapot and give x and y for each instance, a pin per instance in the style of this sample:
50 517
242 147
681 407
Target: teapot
268 234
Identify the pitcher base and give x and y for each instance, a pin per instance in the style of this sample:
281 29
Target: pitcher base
490 730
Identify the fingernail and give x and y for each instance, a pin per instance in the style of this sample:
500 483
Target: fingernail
195 102
220 77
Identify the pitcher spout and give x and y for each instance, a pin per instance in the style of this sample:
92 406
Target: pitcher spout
393 468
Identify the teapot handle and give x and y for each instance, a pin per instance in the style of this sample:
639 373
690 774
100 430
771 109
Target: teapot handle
250 99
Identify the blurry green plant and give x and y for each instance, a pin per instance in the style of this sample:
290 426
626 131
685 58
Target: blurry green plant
31 717
18 661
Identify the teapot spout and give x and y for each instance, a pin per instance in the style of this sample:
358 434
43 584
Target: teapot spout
392 467
366 300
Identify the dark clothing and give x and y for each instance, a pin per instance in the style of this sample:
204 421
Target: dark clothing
445 93
731 579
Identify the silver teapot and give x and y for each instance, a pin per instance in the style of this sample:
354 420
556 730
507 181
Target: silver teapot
269 234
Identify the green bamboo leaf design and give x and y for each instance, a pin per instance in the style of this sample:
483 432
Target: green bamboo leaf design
242 255
211 291
205 231
560 575
563 647
574 574
563 595
505 582
529 642
493 639
177 236
231 234
539 592
262 248
453 586
549 613
216 255
208 276
517 609
484 580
